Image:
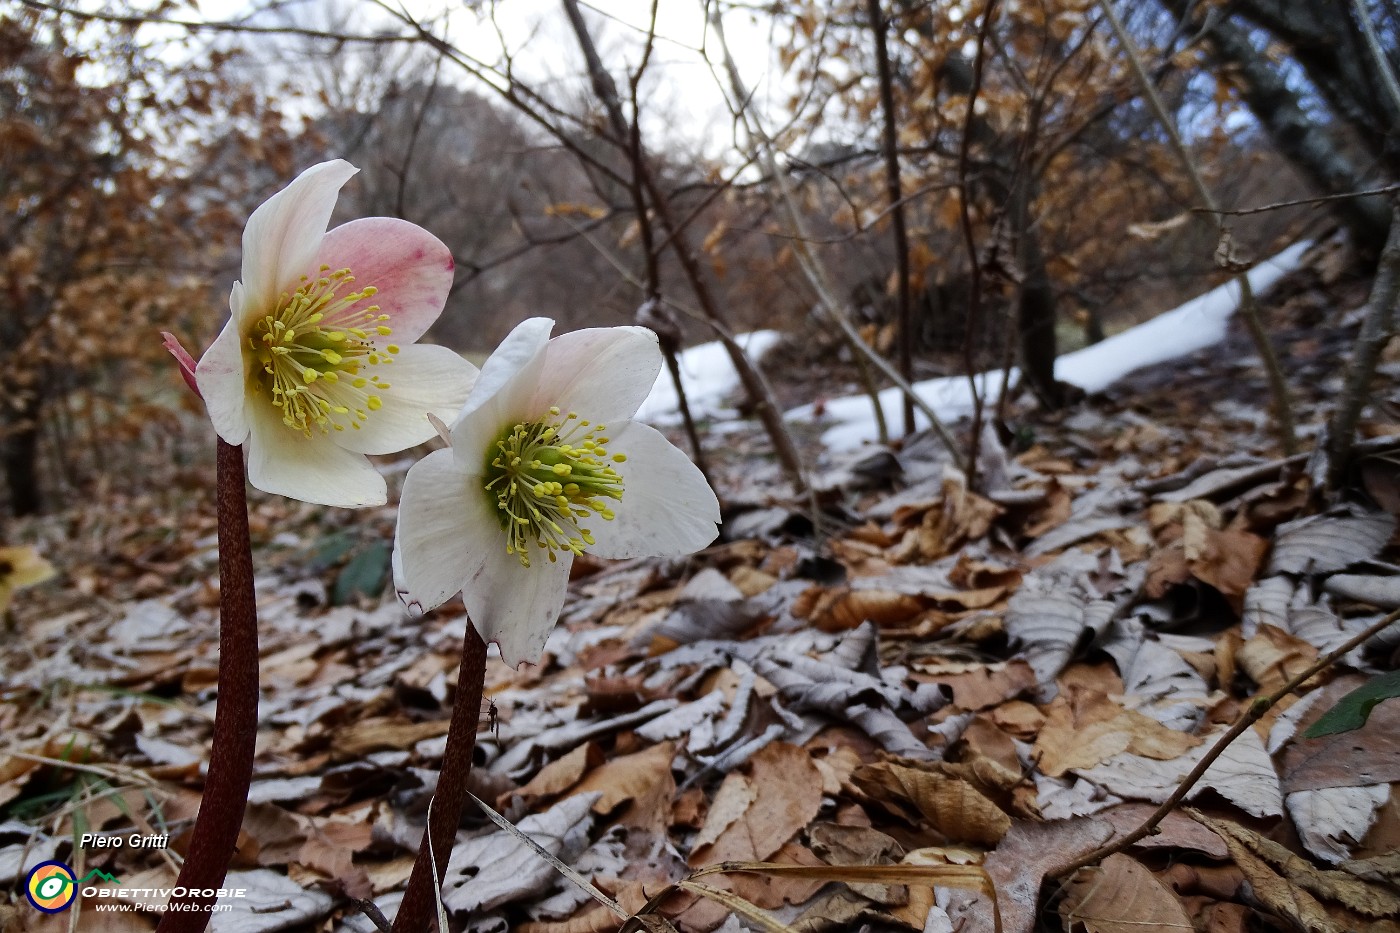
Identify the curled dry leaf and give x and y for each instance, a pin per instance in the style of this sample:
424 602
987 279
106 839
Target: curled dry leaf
1364 897
951 805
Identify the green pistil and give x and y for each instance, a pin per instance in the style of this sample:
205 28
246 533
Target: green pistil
310 352
545 476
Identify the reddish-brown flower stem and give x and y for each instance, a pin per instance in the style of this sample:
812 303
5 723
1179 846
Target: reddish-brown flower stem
236 719
419 901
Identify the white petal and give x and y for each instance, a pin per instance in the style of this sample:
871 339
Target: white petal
422 379
221 382
284 233
514 606
603 373
283 461
446 528
523 349
667 508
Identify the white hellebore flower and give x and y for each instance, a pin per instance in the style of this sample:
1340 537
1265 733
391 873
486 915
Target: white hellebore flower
316 366
545 463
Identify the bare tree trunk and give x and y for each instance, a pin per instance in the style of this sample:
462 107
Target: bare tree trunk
1376 331
21 459
1325 41
1297 136
1035 303
895 194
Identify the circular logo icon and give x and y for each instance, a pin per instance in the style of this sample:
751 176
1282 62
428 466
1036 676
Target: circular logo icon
50 887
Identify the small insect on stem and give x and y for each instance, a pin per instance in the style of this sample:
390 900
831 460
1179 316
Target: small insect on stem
493 719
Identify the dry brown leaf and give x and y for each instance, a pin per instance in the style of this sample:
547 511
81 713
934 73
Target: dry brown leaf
558 776
1174 832
1369 755
780 797
359 739
859 845
1273 657
952 806
841 608
1268 888
960 516
771 891
1364 897
1122 896
979 686
1085 727
1017 867
643 779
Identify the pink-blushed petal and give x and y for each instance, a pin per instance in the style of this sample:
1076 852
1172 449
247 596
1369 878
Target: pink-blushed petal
667 508
446 529
283 461
508 377
603 373
220 378
423 378
284 234
514 606
411 268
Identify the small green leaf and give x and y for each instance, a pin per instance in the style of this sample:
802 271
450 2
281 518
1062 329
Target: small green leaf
1352 710
332 549
365 573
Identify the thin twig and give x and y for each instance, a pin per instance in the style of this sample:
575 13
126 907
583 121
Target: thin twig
974 299
1373 44
234 743
213 25
1278 388
1249 717
1279 205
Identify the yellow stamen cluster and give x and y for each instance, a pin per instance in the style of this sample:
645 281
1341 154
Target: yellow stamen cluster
310 351
547 475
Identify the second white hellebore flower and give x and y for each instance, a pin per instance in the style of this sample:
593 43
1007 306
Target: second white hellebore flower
546 463
316 367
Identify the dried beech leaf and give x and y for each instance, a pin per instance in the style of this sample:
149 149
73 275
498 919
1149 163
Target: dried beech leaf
1330 542
1364 897
1243 774
783 795
1018 866
951 805
1122 896
496 869
1332 821
1369 755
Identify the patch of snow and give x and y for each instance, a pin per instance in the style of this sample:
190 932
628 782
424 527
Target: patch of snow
708 377
1195 325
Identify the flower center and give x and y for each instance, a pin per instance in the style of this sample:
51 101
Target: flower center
545 476
310 352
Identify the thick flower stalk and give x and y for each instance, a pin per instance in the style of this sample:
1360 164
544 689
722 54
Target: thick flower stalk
545 463
317 365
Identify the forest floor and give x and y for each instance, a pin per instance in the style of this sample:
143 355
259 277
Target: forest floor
925 675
